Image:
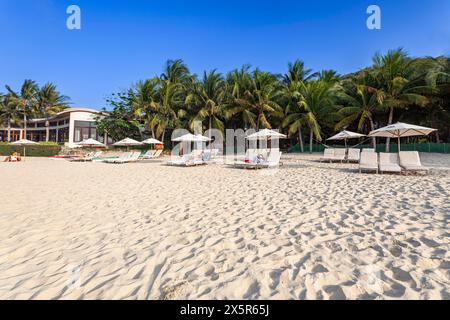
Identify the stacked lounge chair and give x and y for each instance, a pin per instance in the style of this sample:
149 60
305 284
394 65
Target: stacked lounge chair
126 157
328 155
195 158
368 162
353 155
410 161
389 162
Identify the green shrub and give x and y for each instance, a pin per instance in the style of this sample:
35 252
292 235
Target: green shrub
31 151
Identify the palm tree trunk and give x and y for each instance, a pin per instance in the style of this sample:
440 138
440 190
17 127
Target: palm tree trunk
210 127
163 134
374 139
47 131
9 129
257 124
300 140
24 125
391 118
310 140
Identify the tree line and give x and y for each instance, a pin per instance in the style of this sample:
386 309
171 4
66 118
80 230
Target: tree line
305 104
30 101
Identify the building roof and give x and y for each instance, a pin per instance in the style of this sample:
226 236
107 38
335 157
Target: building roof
67 111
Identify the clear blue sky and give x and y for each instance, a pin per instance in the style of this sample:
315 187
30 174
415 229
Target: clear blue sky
123 41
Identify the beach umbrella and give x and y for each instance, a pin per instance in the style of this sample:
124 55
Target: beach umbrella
127 142
345 135
266 134
152 141
24 143
192 138
400 130
91 143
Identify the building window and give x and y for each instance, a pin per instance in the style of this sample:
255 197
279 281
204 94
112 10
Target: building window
85 130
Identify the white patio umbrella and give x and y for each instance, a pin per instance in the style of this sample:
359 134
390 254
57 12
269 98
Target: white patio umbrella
91 143
192 138
345 135
127 142
266 134
400 130
24 143
152 141
189 137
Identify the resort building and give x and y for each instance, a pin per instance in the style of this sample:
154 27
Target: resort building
67 128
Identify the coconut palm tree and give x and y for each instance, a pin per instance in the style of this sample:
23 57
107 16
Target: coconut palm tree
238 82
49 103
261 98
317 105
8 113
25 100
401 80
294 115
209 96
362 100
297 72
143 99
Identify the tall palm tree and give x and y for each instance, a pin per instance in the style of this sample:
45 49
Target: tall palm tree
209 96
238 82
294 115
362 100
49 103
400 80
25 100
8 113
143 99
297 72
261 98
317 106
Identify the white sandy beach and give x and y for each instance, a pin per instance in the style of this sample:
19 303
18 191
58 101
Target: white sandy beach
149 231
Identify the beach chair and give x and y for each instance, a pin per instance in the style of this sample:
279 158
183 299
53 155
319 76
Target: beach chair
410 161
353 155
368 162
148 154
368 150
328 155
127 157
389 162
339 155
184 160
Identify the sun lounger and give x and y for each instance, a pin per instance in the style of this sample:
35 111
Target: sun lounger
353 155
389 162
89 157
368 162
127 157
328 155
368 150
272 161
410 161
195 158
339 155
148 154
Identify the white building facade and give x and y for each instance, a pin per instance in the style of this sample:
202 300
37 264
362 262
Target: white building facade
67 128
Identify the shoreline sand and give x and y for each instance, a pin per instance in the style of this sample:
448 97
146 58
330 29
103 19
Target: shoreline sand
308 230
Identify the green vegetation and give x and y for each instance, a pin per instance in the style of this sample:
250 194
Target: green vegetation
301 103
30 102
40 150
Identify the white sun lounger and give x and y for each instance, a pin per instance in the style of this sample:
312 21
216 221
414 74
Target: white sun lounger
368 162
353 155
188 160
128 157
389 162
328 155
272 161
410 161
339 155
